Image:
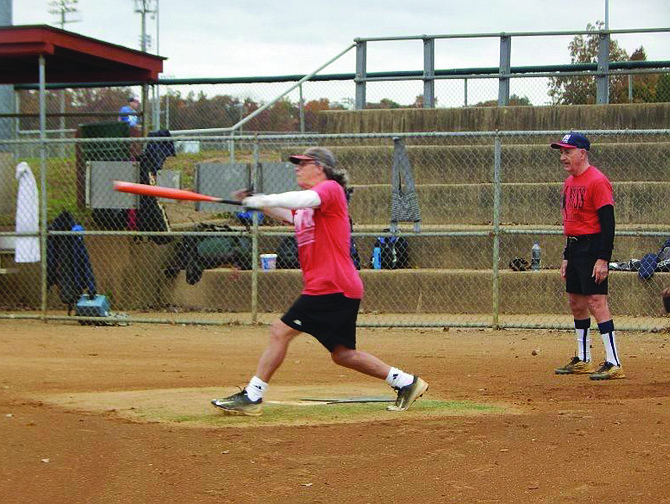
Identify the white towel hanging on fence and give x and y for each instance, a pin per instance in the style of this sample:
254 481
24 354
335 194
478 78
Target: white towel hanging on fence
27 216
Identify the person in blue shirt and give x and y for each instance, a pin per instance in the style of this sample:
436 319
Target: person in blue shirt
126 113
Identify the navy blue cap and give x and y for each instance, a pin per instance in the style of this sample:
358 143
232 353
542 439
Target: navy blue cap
572 140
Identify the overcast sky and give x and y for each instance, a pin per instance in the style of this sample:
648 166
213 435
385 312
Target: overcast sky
224 38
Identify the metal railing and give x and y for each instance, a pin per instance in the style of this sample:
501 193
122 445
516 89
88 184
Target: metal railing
174 110
504 72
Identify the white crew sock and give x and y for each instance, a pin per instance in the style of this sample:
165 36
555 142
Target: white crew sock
256 389
583 337
399 379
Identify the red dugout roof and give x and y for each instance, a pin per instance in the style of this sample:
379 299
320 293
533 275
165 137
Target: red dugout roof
70 58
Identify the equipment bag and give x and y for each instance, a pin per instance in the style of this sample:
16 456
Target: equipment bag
404 199
214 251
287 254
655 262
390 252
198 253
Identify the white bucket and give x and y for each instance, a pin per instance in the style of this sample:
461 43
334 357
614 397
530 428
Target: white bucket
268 262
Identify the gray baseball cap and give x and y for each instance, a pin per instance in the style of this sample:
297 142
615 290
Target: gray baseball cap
321 155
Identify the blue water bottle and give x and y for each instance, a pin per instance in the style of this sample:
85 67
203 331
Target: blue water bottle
377 258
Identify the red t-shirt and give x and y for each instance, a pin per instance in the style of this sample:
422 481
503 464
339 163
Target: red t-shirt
324 239
582 197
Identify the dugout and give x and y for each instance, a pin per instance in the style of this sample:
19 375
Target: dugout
41 54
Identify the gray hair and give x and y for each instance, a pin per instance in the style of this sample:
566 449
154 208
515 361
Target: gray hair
325 158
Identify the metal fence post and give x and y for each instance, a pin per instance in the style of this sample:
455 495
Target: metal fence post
496 233
156 108
465 92
167 110
17 120
361 73
43 188
504 70
231 146
254 238
603 79
428 73
62 147
145 110
302 110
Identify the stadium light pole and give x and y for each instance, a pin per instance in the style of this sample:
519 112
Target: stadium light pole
144 7
62 8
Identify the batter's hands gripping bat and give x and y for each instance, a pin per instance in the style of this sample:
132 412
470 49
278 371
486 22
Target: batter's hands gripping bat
167 192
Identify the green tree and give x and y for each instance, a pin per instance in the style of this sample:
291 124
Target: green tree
662 93
514 101
644 85
384 103
573 90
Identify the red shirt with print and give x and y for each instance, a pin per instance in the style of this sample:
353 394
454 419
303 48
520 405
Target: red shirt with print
324 238
582 197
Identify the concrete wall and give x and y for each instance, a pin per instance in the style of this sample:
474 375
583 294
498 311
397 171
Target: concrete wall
525 162
563 117
449 275
426 291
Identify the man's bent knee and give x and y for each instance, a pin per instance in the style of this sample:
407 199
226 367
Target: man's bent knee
342 356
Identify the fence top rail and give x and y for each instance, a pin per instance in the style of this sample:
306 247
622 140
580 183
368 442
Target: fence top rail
510 34
335 136
275 79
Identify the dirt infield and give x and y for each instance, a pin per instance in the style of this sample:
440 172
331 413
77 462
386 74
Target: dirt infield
120 415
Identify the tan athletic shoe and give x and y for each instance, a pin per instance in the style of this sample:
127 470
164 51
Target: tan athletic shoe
239 404
408 394
608 371
576 366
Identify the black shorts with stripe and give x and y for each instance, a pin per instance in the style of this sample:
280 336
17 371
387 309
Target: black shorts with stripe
330 318
582 256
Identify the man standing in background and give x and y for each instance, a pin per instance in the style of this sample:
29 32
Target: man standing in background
128 113
588 224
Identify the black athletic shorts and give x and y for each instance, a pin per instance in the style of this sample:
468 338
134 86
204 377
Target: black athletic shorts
582 256
330 318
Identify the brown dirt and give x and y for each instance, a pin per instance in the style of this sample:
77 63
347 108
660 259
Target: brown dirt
103 415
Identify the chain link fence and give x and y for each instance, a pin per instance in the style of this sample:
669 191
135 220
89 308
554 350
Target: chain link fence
193 107
483 200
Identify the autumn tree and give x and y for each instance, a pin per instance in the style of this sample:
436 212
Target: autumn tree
573 90
312 109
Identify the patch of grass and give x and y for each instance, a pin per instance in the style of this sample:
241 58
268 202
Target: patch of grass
190 407
322 414
62 178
